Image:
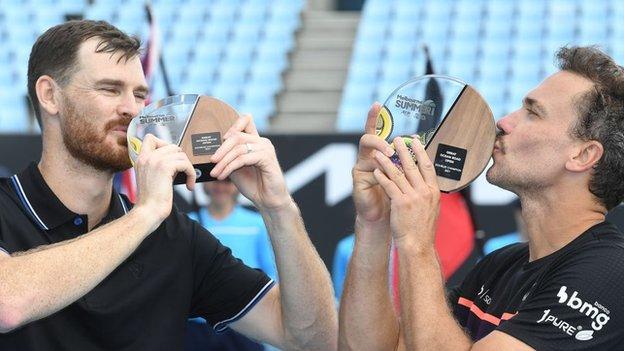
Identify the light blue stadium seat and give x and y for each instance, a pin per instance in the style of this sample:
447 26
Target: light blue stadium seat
192 13
215 33
408 12
201 72
556 32
531 10
207 52
398 52
363 73
351 117
493 53
467 30
418 64
437 10
394 74
247 31
15 14
529 30
435 35
468 10
503 11
384 90
100 11
593 33
239 53
461 51
462 70
373 7
22 34
562 9
254 12
526 72
401 31
366 51
222 12
229 93
272 49
195 88
498 31
231 73
279 35
371 32
494 73
358 93
7 78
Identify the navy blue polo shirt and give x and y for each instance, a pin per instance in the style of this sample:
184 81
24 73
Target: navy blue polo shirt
178 271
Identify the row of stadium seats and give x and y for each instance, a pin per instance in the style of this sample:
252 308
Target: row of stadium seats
235 50
504 48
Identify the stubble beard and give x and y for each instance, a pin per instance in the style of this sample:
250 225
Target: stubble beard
87 144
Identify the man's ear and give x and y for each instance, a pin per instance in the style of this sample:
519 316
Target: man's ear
588 155
46 89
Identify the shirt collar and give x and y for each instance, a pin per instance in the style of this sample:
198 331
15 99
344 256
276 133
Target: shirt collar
44 207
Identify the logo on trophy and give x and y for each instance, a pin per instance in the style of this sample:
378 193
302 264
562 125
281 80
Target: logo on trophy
195 123
449 118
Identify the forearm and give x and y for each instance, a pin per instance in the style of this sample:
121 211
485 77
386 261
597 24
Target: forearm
307 304
42 281
367 317
426 318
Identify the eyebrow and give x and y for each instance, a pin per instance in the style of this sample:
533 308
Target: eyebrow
119 83
535 105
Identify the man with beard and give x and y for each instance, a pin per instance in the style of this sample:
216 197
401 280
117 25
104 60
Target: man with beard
83 269
562 153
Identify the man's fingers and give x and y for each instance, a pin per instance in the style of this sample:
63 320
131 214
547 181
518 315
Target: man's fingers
371 120
389 187
407 162
243 124
233 153
427 171
234 139
150 143
393 173
369 142
238 162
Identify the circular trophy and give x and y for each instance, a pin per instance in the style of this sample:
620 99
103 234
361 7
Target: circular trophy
195 123
449 118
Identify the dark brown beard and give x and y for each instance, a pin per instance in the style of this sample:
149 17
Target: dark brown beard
86 143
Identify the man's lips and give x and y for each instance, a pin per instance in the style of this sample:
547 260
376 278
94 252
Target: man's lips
120 129
498 147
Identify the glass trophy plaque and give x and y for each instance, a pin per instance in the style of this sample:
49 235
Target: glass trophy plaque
449 118
193 122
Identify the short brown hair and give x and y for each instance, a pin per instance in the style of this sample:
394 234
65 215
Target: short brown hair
55 51
600 117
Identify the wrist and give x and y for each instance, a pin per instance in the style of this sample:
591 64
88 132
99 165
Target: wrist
286 208
412 247
145 218
375 233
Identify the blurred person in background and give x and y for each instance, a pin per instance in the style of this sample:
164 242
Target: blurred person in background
244 232
562 153
83 269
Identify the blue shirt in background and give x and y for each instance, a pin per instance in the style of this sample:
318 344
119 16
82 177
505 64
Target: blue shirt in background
341 262
244 232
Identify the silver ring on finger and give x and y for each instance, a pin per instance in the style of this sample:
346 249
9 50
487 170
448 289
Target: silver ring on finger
249 149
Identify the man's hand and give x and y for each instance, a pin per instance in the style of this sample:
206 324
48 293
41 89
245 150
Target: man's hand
156 166
371 203
251 163
413 192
